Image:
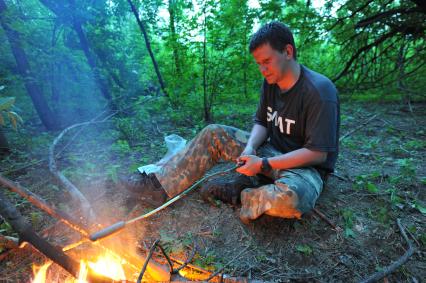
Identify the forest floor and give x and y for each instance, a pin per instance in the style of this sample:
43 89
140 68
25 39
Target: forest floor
382 178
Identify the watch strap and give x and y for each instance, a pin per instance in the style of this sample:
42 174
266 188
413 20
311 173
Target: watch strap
266 166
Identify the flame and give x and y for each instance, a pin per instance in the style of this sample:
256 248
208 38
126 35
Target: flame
40 272
107 265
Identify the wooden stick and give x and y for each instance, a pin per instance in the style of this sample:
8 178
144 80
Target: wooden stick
359 127
323 217
395 265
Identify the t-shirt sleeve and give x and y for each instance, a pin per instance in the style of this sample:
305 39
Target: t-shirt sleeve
260 116
321 126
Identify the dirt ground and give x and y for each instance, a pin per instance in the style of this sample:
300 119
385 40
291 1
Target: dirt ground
380 178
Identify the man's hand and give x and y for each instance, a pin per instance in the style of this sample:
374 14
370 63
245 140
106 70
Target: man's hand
252 165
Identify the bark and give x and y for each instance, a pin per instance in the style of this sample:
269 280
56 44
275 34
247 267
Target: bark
33 88
207 105
148 46
4 145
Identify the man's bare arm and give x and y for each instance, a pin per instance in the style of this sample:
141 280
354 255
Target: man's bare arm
298 158
257 136
302 157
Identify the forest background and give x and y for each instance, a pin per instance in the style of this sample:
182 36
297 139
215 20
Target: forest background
158 67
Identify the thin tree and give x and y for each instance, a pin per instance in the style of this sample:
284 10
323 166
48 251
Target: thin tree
84 43
172 14
148 46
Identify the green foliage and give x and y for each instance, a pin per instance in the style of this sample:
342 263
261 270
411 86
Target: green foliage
5 228
365 181
419 207
407 167
305 249
121 147
349 219
172 244
6 106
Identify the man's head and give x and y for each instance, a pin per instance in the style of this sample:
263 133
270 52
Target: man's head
272 46
277 34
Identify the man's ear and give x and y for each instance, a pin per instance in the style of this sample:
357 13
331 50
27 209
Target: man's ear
289 51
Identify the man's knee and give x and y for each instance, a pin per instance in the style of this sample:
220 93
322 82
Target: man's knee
212 128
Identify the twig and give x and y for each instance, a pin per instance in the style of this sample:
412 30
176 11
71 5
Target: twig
323 217
340 177
359 127
145 265
395 265
228 263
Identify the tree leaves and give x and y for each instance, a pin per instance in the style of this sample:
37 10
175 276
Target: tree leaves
6 103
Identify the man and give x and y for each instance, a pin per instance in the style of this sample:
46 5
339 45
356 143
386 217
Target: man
293 143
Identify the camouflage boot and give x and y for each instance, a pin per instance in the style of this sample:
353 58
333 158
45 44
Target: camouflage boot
144 187
228 190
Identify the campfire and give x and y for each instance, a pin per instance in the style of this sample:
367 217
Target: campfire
107 265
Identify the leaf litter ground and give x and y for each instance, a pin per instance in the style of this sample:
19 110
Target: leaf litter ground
382 170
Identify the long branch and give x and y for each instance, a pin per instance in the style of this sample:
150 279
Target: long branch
395 265
70 187
363 49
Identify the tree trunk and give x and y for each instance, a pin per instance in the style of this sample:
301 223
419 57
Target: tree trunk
207 105
172 9
34 90
84 43
148 46
4 145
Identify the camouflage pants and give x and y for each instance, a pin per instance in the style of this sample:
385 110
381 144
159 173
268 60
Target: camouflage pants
293 192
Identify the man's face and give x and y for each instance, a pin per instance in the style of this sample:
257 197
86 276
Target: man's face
272 64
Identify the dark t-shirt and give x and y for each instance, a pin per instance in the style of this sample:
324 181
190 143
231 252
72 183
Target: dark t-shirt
306 116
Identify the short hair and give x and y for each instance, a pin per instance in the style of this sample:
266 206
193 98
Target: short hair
277 34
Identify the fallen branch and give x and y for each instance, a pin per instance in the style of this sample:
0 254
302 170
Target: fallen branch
395 265
71 189
359 127
325 218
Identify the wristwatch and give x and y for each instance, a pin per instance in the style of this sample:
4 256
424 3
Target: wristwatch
266 167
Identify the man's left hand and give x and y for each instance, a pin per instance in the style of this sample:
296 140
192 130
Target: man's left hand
252 165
